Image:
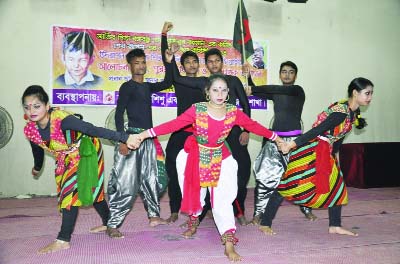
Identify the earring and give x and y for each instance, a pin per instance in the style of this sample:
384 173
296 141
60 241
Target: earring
208 97
227 99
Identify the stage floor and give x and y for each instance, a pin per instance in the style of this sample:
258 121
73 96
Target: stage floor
29 224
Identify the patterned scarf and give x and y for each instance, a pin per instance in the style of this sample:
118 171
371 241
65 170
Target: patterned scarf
58 145
203 164
342 129
211 157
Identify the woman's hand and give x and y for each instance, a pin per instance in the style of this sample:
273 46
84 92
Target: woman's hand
279 140
285 147
134 141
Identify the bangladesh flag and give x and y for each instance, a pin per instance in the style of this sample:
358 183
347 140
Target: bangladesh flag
241 33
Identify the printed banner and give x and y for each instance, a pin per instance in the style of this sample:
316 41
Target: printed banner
89 66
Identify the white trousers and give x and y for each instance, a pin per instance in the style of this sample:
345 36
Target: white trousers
223 195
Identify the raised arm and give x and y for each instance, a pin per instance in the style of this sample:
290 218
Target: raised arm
166 83
164 41
166 58
164 46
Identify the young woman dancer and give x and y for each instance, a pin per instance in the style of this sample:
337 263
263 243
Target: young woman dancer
206 162
313 177
79 159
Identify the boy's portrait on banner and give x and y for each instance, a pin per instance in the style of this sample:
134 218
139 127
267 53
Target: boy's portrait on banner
77 56
89 65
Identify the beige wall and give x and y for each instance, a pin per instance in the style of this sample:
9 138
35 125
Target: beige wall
332 41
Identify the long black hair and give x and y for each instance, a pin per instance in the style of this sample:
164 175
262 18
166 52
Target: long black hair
38 91
358 84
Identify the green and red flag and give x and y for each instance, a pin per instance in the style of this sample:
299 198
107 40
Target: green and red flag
242 40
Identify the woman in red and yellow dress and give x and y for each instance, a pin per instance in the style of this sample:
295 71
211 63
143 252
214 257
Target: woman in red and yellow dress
79 159
313 177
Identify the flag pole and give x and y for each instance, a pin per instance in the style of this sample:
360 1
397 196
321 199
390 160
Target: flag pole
241 30
242 34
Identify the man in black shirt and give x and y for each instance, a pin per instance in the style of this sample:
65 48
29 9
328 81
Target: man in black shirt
270 164
237 139
138 170
185 98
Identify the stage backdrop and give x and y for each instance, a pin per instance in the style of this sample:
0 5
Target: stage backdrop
107 68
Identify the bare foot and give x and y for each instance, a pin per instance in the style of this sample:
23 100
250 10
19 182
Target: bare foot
242 220
114 233
341 231
98 229
189 232
155 221
172 218
57 245
255 221
191 224
184 225
267 230
231 253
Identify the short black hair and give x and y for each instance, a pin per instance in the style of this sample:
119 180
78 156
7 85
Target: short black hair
187 54
134 53
290 64
213 51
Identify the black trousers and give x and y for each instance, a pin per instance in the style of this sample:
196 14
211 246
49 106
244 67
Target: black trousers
175 144
335 212
242 157
69 219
